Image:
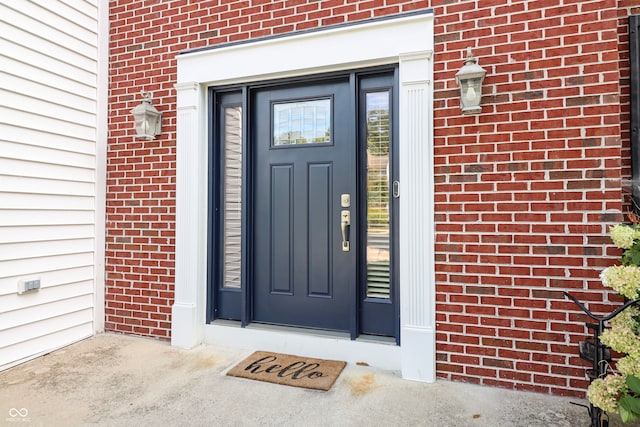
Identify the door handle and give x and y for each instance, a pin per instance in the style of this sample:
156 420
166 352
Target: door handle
345 223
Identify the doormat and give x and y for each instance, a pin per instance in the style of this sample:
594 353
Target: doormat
290 370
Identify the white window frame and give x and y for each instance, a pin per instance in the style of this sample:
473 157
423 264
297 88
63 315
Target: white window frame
406 40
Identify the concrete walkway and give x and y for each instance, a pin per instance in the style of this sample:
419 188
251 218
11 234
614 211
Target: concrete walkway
115 380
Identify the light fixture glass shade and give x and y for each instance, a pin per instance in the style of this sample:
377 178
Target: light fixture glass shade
147 120
470 95
470 79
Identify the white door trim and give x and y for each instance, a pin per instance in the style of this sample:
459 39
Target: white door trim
406 40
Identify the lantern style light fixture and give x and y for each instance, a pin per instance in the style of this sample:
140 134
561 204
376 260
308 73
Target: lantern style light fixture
470 78
147 120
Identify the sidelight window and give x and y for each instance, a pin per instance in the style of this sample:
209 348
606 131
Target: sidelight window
378 202
232 206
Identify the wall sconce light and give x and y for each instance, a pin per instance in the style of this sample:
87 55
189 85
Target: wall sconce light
147 120
470 78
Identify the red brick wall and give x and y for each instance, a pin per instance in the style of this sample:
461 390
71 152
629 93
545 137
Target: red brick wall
524 191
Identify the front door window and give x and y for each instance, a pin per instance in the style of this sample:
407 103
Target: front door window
302 122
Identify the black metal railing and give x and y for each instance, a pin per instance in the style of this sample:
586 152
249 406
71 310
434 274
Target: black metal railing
599 355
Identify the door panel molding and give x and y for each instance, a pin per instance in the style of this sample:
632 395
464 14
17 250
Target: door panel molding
281 230
320 208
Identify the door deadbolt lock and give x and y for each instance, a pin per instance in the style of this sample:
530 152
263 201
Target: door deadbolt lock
345 200
345 223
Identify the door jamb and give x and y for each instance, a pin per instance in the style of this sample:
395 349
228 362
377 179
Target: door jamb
354 318
247 202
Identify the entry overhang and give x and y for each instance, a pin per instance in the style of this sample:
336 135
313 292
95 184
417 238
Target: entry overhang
406 40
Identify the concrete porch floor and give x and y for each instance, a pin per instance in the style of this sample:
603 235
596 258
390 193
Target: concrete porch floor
116 380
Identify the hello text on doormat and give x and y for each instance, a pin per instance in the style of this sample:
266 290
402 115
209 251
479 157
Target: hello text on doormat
290 370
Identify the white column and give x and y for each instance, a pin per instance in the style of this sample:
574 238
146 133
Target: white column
187 325
417 277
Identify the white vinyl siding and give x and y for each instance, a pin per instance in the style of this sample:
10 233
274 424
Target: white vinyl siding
48 173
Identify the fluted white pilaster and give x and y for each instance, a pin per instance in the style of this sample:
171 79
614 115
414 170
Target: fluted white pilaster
187 326
417 278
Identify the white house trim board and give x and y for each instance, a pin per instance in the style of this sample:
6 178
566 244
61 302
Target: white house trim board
406 40
101 164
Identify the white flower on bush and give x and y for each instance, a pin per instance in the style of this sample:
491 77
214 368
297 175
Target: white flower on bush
621 336
623 235
625 279
629 365
605 392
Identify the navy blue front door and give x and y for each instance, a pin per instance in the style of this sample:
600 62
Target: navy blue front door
305 180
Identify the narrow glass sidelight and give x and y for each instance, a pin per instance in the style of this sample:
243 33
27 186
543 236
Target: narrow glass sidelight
378 201
232 197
